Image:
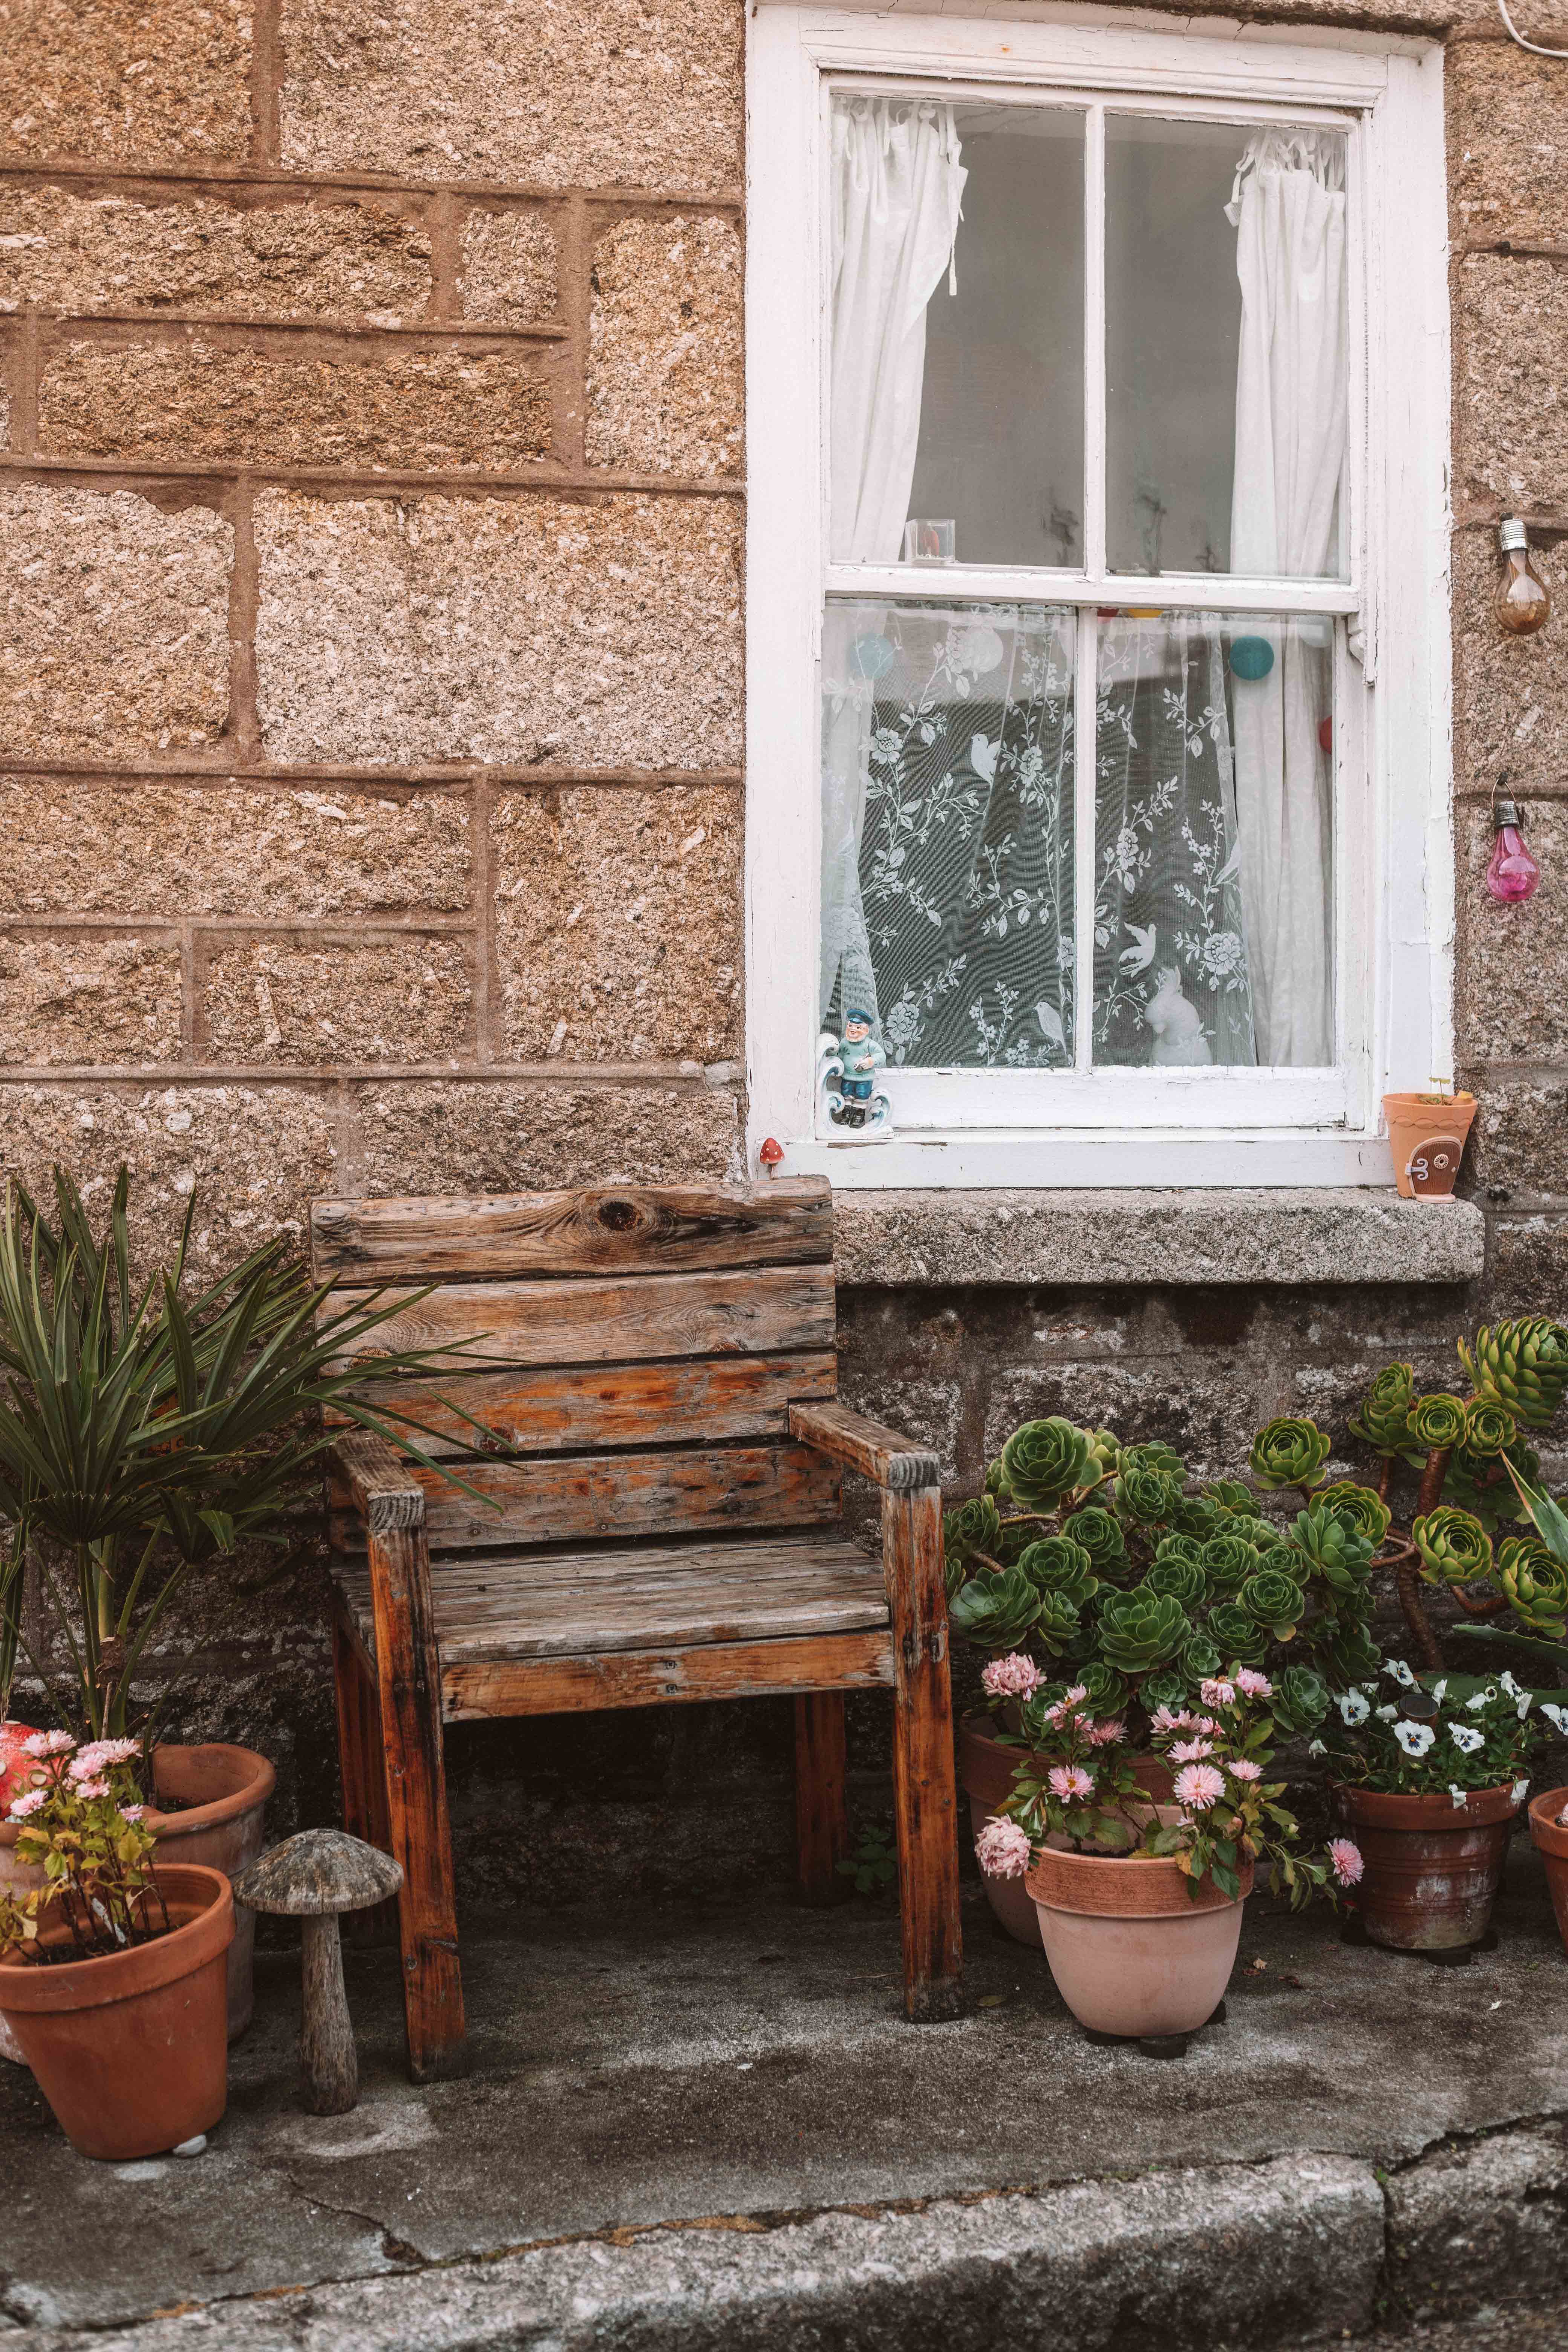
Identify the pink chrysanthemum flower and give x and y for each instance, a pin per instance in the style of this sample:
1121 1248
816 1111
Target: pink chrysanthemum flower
1076 1696
1254 1684
1346 1855
1173 1718
131 1812
1071 1782
1012 1677
1205 1726
1003 1849
92 1787
1244 1769
48 1743
1199 1785
1191 1752
1101 1735
1217 1691
23 1806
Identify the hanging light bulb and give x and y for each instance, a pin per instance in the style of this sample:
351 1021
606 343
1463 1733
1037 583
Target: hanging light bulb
1521 603
1512 871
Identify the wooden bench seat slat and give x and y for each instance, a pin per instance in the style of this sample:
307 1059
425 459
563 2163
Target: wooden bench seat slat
610 1229
505 1687
593 1321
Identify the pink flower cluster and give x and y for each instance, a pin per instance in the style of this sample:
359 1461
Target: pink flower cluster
1103 1735
1066 1704
87 1772
1217 1691
48 1743
1191 1752
1345 1856
1012 1677
1254 1684
1003 1849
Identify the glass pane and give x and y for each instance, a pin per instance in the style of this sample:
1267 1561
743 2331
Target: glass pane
957 342
1226 348
947 858
1213 851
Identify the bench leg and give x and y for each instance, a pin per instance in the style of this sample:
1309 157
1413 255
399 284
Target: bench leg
924 1797
363 1765
409 1671
821 1811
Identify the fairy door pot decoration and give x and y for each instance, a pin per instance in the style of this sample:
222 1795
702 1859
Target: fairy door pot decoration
1426 1140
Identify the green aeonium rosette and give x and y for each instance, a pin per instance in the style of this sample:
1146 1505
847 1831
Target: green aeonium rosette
1330 1545
1273 1600
1383 1419
1536 1584
1183 1580
1435 1423
1145 1496
1239 1637
1489 1429
995 1611
1099 1535
1058 1564
1358 1505
1290 1451
1523 1365
972 1529
1227 1561
1058 1623
1300 1699
1044 1461
1141 1630
1200 1659
1453 1546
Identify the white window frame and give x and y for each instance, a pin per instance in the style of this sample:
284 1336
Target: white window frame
1394 853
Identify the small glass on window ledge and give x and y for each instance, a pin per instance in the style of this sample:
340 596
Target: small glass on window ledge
928 540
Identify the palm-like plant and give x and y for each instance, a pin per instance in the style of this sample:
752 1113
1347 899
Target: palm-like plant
144 1434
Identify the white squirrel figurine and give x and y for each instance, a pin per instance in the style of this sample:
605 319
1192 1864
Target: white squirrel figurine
1178 1031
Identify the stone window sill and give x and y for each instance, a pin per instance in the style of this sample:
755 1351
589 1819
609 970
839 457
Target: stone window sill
1086 1239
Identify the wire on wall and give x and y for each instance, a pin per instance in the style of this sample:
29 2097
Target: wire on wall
1514 34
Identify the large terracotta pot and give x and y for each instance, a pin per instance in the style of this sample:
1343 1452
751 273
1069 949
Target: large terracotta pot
1551 1840
1431 1866
1135 1951
131 2050
221 1792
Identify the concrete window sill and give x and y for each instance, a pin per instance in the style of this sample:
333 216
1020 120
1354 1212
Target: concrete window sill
1085 1239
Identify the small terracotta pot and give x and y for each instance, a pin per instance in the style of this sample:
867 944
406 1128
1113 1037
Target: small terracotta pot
131 2050
1432 1867
1426 1140
1551 1841
985 1770
1133 1950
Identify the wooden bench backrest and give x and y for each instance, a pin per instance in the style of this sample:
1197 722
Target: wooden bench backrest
634 1351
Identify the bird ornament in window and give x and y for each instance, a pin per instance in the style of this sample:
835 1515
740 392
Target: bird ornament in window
847 1091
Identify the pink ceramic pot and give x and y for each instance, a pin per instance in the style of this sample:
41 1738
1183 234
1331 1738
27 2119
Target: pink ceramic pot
1133 1950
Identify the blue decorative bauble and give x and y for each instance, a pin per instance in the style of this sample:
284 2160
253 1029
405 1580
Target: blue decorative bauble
1252 657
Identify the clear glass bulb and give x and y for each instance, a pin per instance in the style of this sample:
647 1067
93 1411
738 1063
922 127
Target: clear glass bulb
1512 871
1521 603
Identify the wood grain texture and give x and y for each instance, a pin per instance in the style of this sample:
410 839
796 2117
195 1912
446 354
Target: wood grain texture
329 2069
611 1229
554 1409
361 1764
860 1660
866 1445
376 1482
593 1321
925 1806
564 1498
821 1804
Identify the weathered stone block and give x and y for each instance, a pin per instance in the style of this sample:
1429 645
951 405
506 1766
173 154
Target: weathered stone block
118 83
1508 148
1519 1140
1529 1269
1512 693
1469 2221
510 1136
610 95
69 846
253 1154
89 997
404 999
113 624
197 256
1510 416
508 271
432 409
601 634
666 361
619 923
1210 1418
1514 1002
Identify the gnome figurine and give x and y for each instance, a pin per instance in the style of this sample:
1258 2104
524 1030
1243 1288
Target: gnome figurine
847 1071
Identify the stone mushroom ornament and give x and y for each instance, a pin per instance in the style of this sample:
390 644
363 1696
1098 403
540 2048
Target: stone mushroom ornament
315 1877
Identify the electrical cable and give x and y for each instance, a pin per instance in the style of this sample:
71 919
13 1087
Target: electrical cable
1534 47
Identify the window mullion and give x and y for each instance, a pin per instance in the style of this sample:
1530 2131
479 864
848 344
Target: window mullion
1094 340
1086 705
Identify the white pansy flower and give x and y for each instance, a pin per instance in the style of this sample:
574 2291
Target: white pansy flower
1401 1673
1316 1747
1415 1738
1466 1740
1386 1714
1370 1689
1506 1682
1460 1796
1353 1708
1555 1717
1526 1700
1521 1790
1479 1699
1440 1689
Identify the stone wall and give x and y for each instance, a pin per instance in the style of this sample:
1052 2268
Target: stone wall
371 449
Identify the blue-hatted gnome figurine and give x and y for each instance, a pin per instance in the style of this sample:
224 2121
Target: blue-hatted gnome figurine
847 1071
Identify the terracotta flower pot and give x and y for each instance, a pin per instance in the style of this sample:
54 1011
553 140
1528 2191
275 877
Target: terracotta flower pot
221 1792
1133 1951
1426 1140
131 2050
985 1770
1551 1841
1431 1866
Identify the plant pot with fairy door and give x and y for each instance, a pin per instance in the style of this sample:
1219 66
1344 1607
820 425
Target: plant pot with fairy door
1426 1137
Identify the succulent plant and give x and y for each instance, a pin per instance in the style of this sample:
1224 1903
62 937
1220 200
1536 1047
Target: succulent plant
1176 1546
1271 1598
1333 1546
1521 1365
1104 1452
1099 1535
1058 1624
1436 1421
1229 1495
1359 1506
1144 1496
1045 1460
1196 1518
1455 1548
1141 1630
1200 1659
1183 1580
1347 1653
1154 1455
1535 1583
1228 1561
1169 1687
1381 1421
974 1527
1300 1699
1240 1640
1290 1453
1108 1693
1058 1564
996 1609
1489 1428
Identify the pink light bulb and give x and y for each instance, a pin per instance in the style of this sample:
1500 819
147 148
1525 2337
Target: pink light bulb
1512 871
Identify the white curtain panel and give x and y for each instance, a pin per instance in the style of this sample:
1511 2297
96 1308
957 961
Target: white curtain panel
897 186
1288 211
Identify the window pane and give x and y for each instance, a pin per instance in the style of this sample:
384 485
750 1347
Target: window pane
1214 812
1226 348
957 344
947 860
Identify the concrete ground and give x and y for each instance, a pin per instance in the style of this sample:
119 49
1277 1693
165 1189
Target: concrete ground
655 2093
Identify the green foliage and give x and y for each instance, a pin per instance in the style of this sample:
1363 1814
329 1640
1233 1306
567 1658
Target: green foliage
1181 1578
1333 1547
1453 1546
1045 1461
1098 1534
1108 1692
1180 1548
1274 1599
1359 1506
1383 1420
1523 1366
1155 1455
1229 1496
1200 1659
1056 1626
1140 1629
996 1609
1436 1422
874 1865
974 1528
1227 1561
1145 1496
1059 1564
1489 1428
1290 1453
1240 1639
1300 1699
1536 1585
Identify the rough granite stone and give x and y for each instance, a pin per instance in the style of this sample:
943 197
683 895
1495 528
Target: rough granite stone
598 634
532 1136
87 997
666 358
1518 1143
617 94
1510 693
139 847
1507 146
619 923
405 998
1208 1413
1513 1005
253 1154
507 268
113 624
115 81
195 256
1528 1272
1510 419
1465 2221
950 1238
385 407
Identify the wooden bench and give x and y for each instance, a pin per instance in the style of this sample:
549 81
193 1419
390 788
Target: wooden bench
659 1368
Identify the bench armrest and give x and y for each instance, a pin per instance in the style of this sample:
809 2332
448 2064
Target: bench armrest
385 1491
866 1445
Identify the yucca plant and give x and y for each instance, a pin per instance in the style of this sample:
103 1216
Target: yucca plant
145 1433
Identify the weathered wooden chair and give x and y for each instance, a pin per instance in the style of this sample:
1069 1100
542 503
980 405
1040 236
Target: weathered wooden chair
659 1366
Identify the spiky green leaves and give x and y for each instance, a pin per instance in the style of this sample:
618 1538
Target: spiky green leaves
1521 1365
1141 1630
1358 1506
1455 1548
1381 1420
1290 1453
1044 1461
1536 1585
997 1611
1436 1422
